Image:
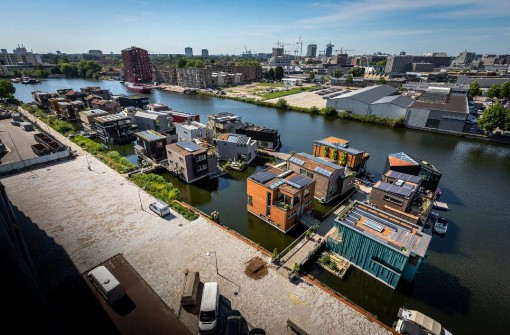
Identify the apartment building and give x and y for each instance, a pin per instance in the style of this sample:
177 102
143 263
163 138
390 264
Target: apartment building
279 197
331 179
194 77
236 147
266 138
137 67
190 161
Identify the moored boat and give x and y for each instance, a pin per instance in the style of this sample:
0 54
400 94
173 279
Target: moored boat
441 226
139 88
412 322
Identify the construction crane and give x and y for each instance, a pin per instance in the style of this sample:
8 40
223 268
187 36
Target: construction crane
299 44
344 49
282 45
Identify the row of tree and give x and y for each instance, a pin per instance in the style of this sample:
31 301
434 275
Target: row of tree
7 89
495 117
495 91
81 69
275 74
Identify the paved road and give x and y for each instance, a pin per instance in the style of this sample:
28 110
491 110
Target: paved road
22 142
89 216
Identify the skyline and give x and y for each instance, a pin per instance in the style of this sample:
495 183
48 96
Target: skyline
366 26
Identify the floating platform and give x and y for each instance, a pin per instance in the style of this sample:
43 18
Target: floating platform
442 206
342 264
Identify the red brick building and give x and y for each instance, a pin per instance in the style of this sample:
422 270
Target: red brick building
279 197
137 66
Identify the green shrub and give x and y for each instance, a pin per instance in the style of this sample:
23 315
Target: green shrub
282 103
314 110
329 111
188 215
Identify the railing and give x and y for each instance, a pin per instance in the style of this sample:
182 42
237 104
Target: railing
26 163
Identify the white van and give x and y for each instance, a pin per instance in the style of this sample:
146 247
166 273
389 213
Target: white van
160 207
107 284
208 317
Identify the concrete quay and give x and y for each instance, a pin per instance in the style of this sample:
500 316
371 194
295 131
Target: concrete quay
87 216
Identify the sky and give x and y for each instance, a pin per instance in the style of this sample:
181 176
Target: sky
230 27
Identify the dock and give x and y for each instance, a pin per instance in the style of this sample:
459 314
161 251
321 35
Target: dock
442 206
278 155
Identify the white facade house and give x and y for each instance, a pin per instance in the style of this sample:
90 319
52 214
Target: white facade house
191 130
359 101
291 82
393 106
236 147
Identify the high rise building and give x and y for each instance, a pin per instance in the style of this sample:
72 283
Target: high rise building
205 53
188 52
137 67
277 52
329 49
311 50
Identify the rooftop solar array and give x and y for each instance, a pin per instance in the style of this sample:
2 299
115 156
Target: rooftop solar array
403 176
263 177
402 191
322 171
373 225
188 146
150 135
320 160
297 161
238 139
299 181
277 184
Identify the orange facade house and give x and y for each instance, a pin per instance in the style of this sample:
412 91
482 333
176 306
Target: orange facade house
335 148
280 197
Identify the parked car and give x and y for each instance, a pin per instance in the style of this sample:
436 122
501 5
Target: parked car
233 323
208 317
107 284
160 207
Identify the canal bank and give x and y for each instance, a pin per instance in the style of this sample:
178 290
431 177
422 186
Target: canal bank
464 282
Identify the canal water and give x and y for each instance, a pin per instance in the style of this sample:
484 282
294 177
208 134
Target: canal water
465 284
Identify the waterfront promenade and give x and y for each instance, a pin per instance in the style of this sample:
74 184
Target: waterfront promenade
88 216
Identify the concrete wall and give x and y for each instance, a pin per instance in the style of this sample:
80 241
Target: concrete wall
21 165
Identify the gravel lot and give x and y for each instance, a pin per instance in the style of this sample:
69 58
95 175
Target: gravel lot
90 216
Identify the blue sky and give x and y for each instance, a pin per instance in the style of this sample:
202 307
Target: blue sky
228 26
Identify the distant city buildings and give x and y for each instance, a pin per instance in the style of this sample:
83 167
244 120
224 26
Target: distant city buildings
205 53
137 67
188 52
311 50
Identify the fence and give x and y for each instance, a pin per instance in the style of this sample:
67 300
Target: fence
24 164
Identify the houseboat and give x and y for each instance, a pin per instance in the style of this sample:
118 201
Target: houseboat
139 88
412 322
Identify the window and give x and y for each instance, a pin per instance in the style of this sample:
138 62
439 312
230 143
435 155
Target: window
201 167
250 200
200 157
309 174
307 192
302 172
181 159
291 215
393 200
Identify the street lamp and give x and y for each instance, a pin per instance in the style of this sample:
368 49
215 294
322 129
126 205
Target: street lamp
209 253
140 197
88 163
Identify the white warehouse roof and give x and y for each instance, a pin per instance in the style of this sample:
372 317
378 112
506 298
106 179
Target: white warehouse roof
398 100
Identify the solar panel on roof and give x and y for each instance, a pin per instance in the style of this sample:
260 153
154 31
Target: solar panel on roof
320 160
373 225
300 181
322 171
263 177
188 146
276 184
297 161
395 189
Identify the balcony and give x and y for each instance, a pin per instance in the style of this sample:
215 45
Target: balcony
285 202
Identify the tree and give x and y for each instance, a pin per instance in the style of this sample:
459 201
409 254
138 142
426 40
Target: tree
7 89
348 79
181 62
329 111
356 71
281 103
381 63
506 124
494 91
337 73
314 110
474 89
17 73
270 74
381 80
278 73
311 76
55 70
493 117
504 92
275 252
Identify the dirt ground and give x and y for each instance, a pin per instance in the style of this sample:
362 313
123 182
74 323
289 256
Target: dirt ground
257 268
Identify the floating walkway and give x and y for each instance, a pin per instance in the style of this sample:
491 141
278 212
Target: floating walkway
279 155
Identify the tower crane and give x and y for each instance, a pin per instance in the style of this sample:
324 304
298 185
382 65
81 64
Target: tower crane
342 49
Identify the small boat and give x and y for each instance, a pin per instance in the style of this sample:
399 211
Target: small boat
416 323
139 88
438 193
442 206
441 226
30 81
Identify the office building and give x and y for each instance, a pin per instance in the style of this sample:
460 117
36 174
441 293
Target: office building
137 67
205 53
329 49
188 52
311 50
279 197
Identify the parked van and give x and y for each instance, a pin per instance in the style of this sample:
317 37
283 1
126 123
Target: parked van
107 284
208 317
160 207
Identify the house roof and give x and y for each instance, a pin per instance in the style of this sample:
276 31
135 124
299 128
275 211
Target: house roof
398 100
274 178
111 117
401 159
402 176
234 138
146 115
369 94
186 148
405 190
317 164
451 103
341 145
150 135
